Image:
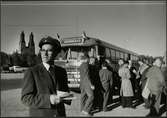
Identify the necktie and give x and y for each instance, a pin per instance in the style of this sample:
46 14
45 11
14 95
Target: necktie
52 73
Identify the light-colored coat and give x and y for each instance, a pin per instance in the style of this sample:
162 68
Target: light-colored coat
126 86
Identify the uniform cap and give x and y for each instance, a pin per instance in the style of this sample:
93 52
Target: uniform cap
49 40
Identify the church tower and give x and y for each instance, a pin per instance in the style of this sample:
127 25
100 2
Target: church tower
22 43
31 44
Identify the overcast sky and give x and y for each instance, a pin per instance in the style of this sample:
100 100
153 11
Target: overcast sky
139 27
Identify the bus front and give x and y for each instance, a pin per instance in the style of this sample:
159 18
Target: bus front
69 58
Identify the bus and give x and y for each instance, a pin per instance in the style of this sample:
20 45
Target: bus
74 47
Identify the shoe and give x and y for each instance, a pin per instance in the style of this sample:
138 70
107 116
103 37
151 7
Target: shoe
86 113
133 107
123 106
89 115
105 110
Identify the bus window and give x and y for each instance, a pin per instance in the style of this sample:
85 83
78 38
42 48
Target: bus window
101 51
112 53
117 55
91 52
136 58
75 52
126 56
132 57
121 55
108 52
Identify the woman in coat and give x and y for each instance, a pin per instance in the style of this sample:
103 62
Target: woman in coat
126 90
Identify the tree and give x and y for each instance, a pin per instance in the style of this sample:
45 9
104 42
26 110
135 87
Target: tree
32 60
4 61
16 58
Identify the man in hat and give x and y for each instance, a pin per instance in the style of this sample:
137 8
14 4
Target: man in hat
42 82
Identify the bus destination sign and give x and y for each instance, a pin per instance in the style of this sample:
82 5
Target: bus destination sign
74 40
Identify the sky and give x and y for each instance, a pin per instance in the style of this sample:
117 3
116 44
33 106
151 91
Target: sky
139 27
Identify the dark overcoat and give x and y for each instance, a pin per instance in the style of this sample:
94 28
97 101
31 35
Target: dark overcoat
37 87
85 81
106 78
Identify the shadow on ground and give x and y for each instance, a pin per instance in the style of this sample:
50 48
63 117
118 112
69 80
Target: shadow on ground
10 84
112 104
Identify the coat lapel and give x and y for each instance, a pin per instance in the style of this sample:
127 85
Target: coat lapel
44 74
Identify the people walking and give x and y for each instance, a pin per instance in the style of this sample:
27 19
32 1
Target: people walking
86 86
94 76
107 81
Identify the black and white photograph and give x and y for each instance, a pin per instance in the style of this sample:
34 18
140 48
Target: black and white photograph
83 58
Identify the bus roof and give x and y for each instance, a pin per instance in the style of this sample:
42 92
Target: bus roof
90 41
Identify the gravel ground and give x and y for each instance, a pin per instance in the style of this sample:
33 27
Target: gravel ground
12 107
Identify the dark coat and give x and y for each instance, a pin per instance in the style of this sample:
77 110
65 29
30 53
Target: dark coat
106 78
156 85
37 88
144 78
85 80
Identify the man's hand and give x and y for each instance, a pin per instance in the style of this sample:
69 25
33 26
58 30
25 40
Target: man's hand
54 99
92 87
140 83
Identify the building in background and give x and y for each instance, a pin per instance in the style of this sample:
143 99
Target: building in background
26 50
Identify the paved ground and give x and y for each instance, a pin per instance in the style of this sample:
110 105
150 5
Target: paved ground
12 107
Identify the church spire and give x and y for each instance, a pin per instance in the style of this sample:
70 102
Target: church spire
22 43
31 43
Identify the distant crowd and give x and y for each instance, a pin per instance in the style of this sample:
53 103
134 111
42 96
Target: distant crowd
146 84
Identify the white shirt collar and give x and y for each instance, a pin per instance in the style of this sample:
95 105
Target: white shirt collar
47 66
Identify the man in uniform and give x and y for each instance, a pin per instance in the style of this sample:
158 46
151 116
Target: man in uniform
41 83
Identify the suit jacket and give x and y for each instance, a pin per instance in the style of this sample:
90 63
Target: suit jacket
37 87
85 80
106 78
